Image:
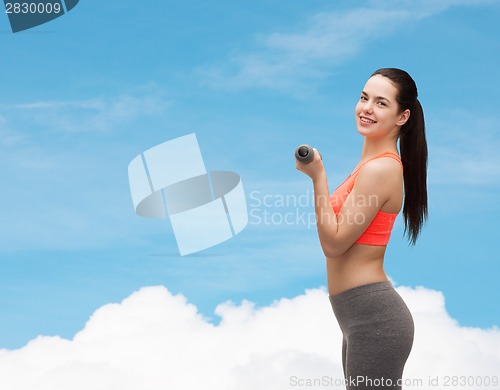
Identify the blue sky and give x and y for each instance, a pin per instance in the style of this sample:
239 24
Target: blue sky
84 94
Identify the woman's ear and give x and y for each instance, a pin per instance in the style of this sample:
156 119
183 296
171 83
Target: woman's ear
404 117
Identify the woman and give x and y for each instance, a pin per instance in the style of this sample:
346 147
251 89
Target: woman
354 225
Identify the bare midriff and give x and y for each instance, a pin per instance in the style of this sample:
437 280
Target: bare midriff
360 265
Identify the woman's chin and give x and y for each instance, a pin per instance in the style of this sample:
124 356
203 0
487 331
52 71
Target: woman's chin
371 133
363 131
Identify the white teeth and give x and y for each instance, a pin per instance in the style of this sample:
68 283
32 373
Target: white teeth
366 120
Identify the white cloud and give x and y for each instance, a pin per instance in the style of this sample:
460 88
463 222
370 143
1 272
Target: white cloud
293 62
156 340
99 114
290 62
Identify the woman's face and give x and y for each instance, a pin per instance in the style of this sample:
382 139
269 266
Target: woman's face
377 111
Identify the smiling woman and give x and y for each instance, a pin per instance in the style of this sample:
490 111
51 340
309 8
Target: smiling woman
355 223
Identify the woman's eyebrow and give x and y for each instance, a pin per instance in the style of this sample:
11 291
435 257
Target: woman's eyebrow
378 97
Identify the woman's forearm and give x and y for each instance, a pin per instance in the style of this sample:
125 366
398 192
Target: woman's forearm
326 220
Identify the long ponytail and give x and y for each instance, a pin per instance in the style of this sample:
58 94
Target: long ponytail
413 148
414 154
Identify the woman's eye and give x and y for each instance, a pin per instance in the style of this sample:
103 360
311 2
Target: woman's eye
382 104
362 98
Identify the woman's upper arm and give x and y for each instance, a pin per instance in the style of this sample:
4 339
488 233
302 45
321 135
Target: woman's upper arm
371 190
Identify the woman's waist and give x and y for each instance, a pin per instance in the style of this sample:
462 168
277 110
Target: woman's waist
358 255
344 275
338 284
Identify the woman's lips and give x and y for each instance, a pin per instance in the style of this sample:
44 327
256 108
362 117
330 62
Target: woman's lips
366 121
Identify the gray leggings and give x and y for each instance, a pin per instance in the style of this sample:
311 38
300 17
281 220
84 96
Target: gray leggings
378 335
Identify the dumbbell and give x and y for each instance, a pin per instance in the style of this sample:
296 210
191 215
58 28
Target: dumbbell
304 154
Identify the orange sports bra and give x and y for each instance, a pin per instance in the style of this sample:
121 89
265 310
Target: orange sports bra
379 231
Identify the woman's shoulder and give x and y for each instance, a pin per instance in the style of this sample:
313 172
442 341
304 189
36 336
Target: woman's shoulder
386 161
383 171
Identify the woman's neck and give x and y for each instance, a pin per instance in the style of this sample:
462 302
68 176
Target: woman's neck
374 147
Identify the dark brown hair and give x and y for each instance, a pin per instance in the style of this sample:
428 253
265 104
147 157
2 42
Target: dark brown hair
413 148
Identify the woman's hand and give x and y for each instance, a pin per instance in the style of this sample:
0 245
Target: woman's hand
314 169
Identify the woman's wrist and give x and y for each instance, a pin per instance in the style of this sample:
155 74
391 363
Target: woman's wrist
319 177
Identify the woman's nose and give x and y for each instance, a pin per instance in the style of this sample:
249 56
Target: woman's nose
367 107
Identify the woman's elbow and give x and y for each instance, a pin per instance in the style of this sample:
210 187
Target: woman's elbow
333 249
